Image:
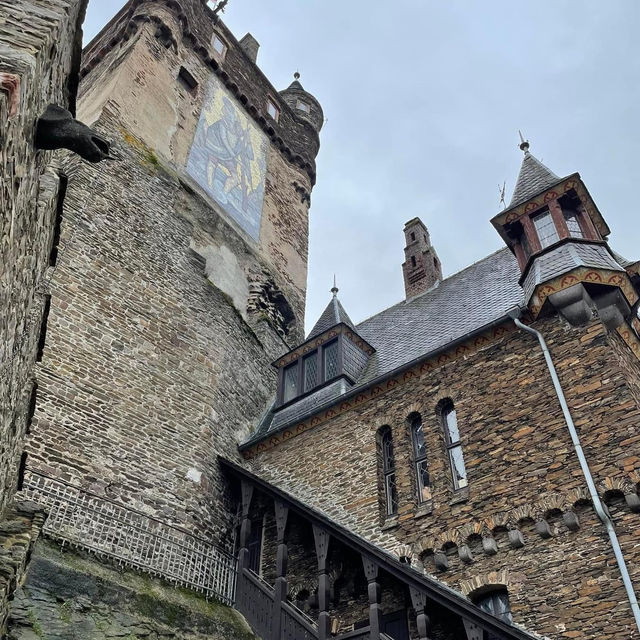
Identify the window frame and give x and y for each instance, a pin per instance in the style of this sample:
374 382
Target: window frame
296 363
306 108
306 358
577 217
446 409
547 213
416 423
389 485
492 595
272 103
321 378
225 47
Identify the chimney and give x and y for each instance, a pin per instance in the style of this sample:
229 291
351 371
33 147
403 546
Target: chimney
250 46
422 268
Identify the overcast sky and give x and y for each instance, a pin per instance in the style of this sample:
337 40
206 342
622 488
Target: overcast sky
424 99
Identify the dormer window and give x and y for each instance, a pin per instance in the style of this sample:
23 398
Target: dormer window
303 106
310 366
545 228
219 45
272 109
290 382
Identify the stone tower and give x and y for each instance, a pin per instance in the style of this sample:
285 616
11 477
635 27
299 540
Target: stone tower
422 268
182 267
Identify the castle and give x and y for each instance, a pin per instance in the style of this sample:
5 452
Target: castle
462 465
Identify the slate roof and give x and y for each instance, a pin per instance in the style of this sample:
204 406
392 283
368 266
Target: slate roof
533 178
333 314
565 258
467 301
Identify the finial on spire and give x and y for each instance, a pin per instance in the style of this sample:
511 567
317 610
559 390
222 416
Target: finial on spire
296 75
524 144
334 289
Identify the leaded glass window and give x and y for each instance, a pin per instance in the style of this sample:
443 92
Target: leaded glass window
497 604
310 371
571 218
290 382
546 228
389 473
423 484
330 354
454 447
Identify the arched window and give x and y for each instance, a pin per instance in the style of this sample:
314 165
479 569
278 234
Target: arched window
423 486
497 604
454 447
389 472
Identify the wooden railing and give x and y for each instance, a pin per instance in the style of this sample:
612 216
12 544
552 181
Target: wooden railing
255 599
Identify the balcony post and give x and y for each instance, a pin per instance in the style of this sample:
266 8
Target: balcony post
322 539
375 608
245 527
418 600
282 556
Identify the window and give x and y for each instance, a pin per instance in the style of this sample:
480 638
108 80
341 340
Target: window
413 262
330 355
187 80
546 228
454 448
290 382
571 218
420 459
310 365
303 106
389 473
413 237
273 110
218 45
497 604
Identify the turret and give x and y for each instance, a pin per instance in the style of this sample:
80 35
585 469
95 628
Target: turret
303 104
559 238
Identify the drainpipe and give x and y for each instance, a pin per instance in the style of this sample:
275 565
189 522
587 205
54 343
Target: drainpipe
601 510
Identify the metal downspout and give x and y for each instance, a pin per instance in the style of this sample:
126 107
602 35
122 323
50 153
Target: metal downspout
601 510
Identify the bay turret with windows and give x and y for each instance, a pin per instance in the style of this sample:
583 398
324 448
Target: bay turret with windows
303 104
559 238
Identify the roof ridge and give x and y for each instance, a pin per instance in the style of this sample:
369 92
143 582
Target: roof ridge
425 293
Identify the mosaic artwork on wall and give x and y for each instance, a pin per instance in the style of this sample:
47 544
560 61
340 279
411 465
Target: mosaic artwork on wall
228 158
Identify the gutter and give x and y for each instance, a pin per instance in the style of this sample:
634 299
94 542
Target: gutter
600 508
507 317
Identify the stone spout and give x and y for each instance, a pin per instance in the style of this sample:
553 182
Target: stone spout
58 129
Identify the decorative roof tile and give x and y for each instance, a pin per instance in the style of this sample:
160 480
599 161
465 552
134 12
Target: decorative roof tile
533 178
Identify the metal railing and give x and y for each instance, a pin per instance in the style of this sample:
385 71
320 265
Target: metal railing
131 538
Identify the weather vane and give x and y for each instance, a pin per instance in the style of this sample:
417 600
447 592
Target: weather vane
502 189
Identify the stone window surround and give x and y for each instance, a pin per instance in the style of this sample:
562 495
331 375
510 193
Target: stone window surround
273 110
388 504
215 39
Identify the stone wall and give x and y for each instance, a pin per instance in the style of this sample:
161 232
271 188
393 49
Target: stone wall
67 596
38 65
525 521
39 62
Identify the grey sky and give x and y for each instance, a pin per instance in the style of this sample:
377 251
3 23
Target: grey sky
423 100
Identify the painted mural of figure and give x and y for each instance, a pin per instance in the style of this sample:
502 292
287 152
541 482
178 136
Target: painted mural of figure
228 159
230 153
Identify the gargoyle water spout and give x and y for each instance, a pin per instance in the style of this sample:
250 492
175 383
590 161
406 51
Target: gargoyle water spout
58 129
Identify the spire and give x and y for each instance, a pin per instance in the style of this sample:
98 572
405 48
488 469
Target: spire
533 178
333 314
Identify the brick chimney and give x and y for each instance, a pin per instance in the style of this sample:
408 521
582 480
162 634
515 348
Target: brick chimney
421 268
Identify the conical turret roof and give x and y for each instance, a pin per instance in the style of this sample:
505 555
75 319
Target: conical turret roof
333 314
533 178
